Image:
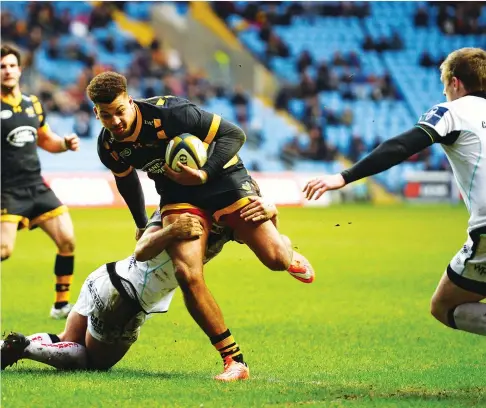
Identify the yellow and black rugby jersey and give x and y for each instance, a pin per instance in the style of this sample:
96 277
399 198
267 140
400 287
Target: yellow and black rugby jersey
20 120
159 119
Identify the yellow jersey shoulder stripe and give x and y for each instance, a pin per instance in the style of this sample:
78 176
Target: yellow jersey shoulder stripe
213 129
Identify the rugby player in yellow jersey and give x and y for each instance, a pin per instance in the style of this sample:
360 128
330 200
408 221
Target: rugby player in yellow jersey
26 200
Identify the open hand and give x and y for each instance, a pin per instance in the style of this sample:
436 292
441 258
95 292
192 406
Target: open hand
258 210
319 186
187 226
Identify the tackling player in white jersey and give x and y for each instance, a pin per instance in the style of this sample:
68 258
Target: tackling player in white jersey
116 299
459 125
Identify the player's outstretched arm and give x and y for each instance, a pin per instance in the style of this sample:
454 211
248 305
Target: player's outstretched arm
51 142
388 154
156 239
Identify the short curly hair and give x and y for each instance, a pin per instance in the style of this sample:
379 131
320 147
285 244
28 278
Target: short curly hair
106 87
468 65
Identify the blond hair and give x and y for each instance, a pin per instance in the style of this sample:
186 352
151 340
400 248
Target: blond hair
468 65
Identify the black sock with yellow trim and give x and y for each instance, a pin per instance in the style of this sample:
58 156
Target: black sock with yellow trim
226 345
63 269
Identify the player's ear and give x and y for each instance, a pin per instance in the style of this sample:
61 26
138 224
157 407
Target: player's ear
130 100
96 113
455 82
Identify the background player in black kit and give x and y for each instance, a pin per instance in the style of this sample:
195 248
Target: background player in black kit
135 136
26 200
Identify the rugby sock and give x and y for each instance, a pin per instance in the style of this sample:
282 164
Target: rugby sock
470 317
62 355
45 338
63 269
226 345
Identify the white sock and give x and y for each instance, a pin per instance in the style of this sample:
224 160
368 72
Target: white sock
471 317
40 338
62 355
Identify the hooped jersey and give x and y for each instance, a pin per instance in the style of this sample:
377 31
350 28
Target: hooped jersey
20 121
461 126
159 119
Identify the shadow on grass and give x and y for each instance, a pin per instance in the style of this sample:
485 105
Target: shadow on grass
116 373
328 391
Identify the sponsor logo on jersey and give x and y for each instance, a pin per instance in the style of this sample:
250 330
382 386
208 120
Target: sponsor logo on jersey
148 122
6 114
481 269
434 115
97 324
246 186
154 167
22 135
484 124
125 152
96 297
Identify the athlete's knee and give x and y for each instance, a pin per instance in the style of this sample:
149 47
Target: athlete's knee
439 310
187 277
6 250
67 244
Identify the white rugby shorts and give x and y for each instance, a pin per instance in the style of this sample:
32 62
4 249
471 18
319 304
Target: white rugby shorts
110 318
468 268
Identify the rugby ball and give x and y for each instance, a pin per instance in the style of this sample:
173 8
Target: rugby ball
188 150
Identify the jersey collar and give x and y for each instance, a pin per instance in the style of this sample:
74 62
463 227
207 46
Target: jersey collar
479 94
12 100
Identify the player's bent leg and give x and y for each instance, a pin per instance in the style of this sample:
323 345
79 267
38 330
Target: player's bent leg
264 240
458 308
75 329
187 259
9 234
103 356
60 230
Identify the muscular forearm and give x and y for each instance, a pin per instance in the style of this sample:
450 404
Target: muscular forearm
389 154
150 245
131 191
228 142
54 144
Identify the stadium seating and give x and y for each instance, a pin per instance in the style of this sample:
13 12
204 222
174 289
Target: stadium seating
420 88
373 120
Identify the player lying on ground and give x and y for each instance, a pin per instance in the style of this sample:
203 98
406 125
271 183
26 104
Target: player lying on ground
135 135
459 125
113 302
27 202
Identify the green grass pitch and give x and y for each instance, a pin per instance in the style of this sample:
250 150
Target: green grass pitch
360 336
